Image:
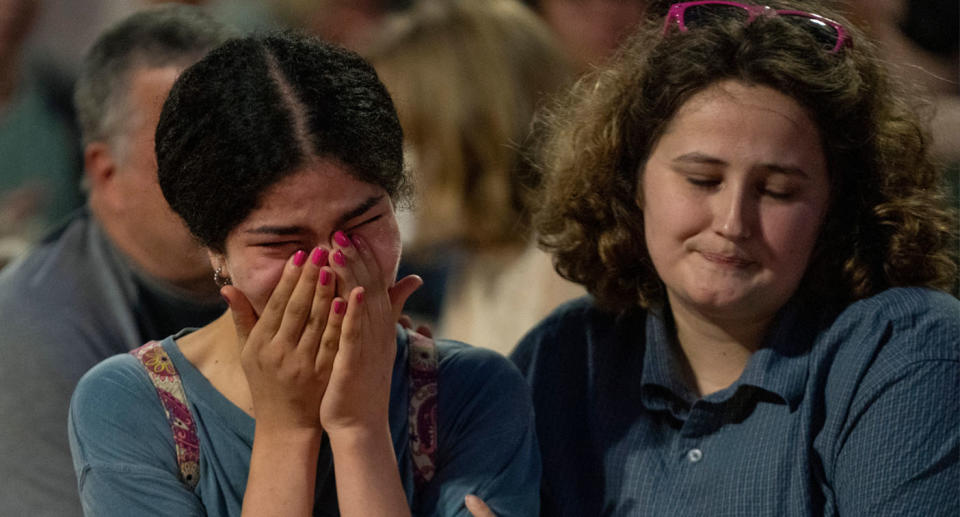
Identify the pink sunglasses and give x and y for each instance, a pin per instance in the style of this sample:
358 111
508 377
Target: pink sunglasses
697 14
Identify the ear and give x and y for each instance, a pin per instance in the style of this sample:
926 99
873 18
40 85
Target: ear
218 261
100 170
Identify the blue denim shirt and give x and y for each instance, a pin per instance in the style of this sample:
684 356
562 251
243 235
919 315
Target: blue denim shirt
855 416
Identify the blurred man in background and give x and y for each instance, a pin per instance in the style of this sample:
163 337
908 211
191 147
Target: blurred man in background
122 271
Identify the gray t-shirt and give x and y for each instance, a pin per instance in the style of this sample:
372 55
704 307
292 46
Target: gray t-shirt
70 303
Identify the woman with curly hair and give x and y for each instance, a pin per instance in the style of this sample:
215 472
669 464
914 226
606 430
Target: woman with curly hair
284 156
749 200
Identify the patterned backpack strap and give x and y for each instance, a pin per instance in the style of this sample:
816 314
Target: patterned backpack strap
422 354
169 388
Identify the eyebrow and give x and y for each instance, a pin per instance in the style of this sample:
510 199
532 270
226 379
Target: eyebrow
357 211
697 157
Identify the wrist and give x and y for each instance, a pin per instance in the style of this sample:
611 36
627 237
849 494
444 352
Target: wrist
349 439
288 436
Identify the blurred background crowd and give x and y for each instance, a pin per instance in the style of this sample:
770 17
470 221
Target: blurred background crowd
467 77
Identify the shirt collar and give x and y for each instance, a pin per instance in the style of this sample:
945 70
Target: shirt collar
664 378
778 367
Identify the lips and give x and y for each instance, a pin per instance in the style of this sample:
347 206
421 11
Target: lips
727 260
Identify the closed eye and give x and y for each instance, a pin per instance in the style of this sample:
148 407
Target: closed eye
277 244
365 221
706 183
778 194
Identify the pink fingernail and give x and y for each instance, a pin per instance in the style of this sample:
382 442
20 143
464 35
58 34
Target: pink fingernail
338 307
341 239
299 258
324 277
359 297
339 258
317 256
357 242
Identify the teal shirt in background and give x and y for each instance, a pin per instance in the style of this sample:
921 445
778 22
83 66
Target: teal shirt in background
123 450
39 152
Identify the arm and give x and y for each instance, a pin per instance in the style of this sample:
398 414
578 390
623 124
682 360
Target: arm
488 446
122 445
286 355
355 408
901 455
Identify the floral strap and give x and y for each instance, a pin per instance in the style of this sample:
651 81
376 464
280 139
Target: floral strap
422 413
167 382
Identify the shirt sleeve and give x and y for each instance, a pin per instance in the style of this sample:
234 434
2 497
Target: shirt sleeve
122 445
898 451
901 456
488 446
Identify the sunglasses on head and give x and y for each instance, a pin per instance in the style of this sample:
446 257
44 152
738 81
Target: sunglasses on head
690 15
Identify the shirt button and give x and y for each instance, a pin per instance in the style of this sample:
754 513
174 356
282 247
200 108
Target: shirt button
694 455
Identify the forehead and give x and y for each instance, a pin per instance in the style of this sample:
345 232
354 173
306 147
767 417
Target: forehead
321 192
735 99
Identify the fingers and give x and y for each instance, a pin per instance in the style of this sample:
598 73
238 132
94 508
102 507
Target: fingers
352 332
477 507
244 317
407 323
425 331
319 311
300 303
273 312
354 262
400 291
330 340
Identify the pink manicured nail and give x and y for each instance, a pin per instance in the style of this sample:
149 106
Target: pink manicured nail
341 239
359 297
324 277
338 307
299 258
357 242
318 256
339 258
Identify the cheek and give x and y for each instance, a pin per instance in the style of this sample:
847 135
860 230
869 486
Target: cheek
384 242
257 279
792 234
670 214
387 253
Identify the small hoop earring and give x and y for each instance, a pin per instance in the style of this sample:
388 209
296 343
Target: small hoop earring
221 280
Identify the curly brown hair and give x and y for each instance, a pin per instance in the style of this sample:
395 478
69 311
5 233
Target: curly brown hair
888 223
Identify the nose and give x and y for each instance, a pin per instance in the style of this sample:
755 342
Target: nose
733 214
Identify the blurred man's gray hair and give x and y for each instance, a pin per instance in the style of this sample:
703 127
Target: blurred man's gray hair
169 35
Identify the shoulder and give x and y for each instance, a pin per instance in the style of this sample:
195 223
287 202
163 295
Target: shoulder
913 322
47 278
471 375
50 256
116 417
902 344
116 385
901 303
564 334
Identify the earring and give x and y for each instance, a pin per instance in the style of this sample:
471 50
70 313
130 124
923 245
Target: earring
221 280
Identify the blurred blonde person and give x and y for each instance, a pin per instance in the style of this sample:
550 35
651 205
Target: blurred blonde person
467 78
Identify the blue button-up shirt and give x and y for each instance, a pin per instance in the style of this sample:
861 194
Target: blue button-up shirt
853 415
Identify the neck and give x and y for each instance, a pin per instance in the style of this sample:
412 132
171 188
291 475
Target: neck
190 275
716 351
214 351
